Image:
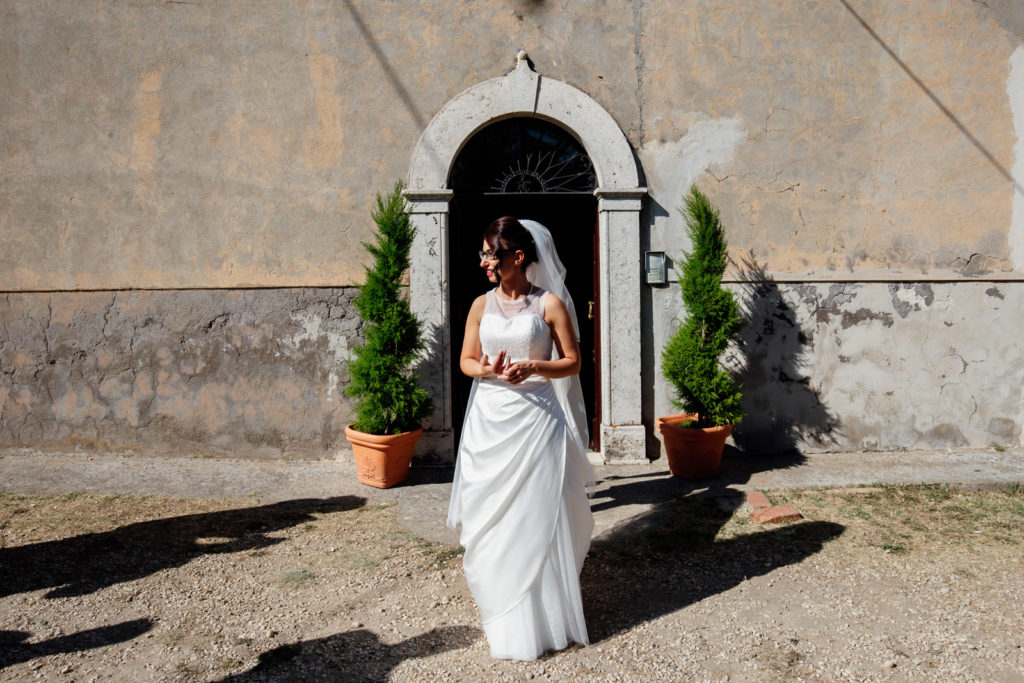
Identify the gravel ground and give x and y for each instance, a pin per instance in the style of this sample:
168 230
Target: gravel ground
894 583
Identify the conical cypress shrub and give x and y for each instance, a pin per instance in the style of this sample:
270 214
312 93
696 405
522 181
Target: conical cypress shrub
388 400
690 359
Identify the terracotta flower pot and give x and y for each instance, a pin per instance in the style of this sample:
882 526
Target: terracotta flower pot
382 461
692 453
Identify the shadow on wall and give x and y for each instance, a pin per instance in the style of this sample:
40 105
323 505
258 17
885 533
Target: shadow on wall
784 412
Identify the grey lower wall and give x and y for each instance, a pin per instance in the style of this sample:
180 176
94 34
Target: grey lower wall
872 365
245 373
261 372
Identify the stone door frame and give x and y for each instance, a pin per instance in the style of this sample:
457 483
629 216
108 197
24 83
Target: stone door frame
523 92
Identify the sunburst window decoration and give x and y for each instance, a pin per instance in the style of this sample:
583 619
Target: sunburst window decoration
523 155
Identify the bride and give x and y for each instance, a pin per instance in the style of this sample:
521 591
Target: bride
520 478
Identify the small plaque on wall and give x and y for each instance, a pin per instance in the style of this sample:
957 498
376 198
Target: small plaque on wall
655 267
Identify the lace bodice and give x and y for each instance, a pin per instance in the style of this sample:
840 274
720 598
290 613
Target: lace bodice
516 327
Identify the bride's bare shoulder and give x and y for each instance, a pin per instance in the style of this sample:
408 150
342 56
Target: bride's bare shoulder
552 301
477 309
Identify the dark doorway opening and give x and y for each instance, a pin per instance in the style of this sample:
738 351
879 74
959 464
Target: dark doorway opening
572 220
527 168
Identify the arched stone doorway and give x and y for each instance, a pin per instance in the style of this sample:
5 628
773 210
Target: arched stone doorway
529 168
525 94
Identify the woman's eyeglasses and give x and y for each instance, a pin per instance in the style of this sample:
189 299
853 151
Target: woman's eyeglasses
491 255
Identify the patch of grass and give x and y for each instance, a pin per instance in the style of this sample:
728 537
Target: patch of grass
228 663
440 555
297 576
173 637
357 557
186 669
780 658
856 512
258 553
915 518
913 524
72 495
894 548
402 535
308 526
937 494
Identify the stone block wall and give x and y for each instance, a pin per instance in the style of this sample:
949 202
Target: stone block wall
250 373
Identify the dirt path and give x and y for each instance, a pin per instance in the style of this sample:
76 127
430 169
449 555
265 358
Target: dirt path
919 583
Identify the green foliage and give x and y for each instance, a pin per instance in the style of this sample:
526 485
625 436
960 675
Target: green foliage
388 400
690 359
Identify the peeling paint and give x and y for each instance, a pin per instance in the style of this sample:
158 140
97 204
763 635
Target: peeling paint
862 315
910 297
993 291
672 167
241 373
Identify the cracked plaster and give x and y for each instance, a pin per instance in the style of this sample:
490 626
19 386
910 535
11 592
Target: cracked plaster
171 166
248 373
871 366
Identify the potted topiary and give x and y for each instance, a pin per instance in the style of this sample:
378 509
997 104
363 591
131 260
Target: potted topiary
389 404
690 361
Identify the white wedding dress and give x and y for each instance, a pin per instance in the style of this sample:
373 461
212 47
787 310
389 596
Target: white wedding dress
520 494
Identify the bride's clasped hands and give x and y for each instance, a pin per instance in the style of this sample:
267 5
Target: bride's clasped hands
502 369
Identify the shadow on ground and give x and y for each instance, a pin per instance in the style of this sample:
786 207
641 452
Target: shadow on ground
14 650
668 558
87 563
656 487
354 655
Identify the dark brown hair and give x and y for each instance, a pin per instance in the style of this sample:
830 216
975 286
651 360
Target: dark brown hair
508 234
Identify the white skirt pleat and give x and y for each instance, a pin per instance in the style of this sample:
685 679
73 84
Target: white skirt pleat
520 495
550 615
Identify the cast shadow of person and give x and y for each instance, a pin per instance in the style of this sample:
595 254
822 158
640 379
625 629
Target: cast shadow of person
14 649
87 563
669 558
358 655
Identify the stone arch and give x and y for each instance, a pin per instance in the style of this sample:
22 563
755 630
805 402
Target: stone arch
523 92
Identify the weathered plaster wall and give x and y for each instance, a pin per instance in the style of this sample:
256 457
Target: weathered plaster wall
863 155
240 143
161 144
251 373
175 145
875 366
841 139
